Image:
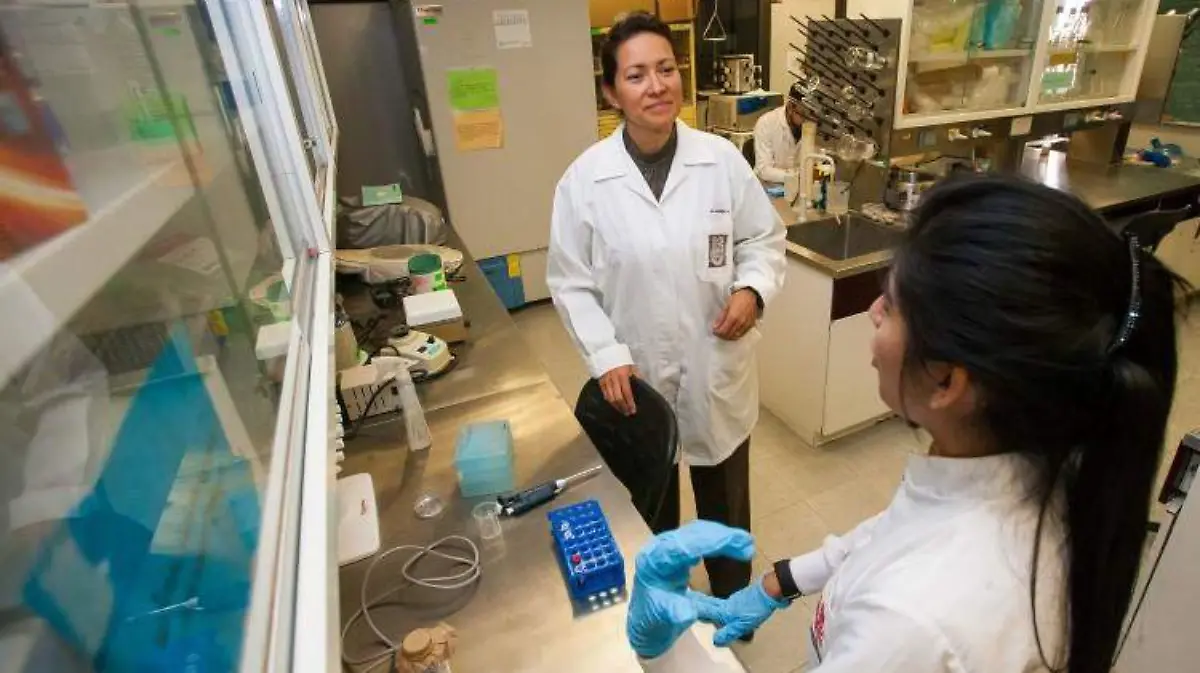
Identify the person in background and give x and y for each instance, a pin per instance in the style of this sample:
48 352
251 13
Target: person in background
664 251
1037 348
777 137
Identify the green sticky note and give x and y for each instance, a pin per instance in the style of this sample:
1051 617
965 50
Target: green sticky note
378 195
473 88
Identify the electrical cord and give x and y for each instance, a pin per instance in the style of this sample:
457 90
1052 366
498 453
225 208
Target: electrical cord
460 580
363 334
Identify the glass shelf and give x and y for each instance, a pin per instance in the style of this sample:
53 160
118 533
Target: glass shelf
968 56
1090 48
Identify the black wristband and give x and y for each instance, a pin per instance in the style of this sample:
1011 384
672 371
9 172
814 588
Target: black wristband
787 584
757 298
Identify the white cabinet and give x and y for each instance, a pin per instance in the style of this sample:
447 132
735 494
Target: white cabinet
815 373
1092 52
851 392
968 60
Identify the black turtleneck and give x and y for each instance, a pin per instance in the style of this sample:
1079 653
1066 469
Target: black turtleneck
654 167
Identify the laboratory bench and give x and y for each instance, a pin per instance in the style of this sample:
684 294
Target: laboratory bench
518 617
846 245
1112 191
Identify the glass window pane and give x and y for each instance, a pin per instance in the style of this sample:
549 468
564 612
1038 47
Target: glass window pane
139 270
303 91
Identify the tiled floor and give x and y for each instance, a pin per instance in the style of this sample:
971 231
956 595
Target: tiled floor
798 493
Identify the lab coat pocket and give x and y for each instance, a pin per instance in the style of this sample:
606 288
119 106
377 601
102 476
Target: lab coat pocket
733 367
716 249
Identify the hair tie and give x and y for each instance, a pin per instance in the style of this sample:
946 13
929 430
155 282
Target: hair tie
1129 324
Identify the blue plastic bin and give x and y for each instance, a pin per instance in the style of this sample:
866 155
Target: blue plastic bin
509 288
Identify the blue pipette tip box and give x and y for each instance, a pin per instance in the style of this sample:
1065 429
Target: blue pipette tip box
588 554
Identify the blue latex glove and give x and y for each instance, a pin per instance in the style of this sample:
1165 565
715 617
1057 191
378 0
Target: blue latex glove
739 615
661 607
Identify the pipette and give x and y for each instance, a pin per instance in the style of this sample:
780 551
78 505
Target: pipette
519 503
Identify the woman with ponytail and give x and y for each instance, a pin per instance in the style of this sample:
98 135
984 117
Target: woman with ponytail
1037 348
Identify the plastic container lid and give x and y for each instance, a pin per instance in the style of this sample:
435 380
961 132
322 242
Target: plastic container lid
424 263
417 645
484 441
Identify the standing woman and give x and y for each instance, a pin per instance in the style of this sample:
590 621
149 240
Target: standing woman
664 250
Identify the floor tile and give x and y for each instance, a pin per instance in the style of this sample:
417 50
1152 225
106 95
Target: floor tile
801 472
543 331
846 505
779 644
791 531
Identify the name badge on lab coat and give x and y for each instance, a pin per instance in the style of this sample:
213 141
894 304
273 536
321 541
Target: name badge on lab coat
718 250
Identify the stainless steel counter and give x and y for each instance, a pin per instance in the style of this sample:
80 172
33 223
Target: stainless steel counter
1106 189
518 617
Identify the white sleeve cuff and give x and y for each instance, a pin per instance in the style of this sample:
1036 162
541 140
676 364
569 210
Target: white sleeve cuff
761 284
609 358
690 654
810 572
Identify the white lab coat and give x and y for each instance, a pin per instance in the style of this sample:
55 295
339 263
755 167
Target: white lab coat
936 583
640 281
774 146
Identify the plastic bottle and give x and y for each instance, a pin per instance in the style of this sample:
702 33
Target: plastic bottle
427 650
1002 23
419 438
1070 36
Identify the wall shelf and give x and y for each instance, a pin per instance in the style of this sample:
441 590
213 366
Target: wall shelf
945 61
1107 55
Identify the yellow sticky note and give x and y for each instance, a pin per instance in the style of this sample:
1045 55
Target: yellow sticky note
514 266
478 130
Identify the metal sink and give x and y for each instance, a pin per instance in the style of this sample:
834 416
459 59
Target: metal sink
844 237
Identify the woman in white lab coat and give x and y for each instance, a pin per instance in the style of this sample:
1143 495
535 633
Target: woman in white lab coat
1038 350
664 250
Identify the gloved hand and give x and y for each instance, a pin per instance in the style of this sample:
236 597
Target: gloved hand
739 615
661 607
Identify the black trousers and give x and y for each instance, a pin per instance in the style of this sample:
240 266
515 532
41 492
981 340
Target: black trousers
723 495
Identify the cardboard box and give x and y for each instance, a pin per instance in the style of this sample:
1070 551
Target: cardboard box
604 12
673 11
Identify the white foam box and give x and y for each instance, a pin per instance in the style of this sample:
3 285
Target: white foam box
437 313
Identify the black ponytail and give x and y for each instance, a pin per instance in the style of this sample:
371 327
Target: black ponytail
1068 332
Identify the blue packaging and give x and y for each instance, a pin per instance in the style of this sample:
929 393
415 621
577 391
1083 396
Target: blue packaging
483 457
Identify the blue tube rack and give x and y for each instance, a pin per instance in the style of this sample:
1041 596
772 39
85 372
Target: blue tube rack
588 554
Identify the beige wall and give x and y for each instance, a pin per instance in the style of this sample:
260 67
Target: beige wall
784 31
